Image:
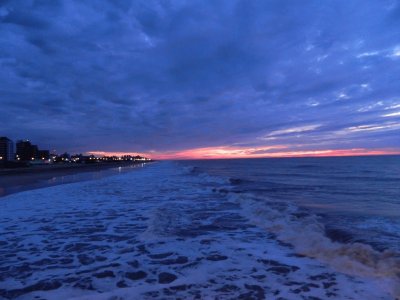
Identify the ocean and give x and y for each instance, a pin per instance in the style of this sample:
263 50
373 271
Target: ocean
293 228
356 198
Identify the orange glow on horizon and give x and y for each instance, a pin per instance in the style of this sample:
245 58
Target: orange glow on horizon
105 153
256 152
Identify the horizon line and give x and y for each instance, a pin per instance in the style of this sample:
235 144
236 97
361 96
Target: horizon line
213 153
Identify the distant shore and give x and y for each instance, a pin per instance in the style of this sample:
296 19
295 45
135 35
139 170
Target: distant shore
22 179
67 167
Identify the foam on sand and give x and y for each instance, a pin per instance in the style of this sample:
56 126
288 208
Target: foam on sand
163 232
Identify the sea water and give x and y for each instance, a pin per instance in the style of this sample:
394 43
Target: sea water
356 198
252 229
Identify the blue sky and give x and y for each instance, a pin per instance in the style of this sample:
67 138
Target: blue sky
172 76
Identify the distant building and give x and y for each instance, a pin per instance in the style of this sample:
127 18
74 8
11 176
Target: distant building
44 154
26 151
6 149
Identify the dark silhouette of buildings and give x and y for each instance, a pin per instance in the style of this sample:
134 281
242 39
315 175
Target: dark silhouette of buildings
26 151
44 154
28 154
6 149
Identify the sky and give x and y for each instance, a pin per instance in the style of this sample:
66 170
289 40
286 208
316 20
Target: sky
202 78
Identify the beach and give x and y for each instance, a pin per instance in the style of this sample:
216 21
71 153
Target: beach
215 150
20 179
170 230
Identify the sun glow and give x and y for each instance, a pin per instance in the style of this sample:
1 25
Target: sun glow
229 152
117 154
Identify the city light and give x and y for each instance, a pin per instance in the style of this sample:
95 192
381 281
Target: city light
27 154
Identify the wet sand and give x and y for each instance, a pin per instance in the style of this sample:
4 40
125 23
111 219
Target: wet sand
22 179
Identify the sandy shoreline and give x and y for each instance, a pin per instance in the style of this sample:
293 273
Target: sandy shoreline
161 233
64 167
17 180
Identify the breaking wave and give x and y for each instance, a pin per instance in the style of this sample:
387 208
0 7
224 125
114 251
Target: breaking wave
304 231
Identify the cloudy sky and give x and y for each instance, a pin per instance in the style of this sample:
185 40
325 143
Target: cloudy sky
199 78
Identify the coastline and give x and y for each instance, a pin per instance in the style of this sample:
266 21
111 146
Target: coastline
24 179
163 233
66 167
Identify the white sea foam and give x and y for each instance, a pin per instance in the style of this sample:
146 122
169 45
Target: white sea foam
116 236
308 237
307 234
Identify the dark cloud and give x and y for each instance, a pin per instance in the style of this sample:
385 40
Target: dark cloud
173 75
25 19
